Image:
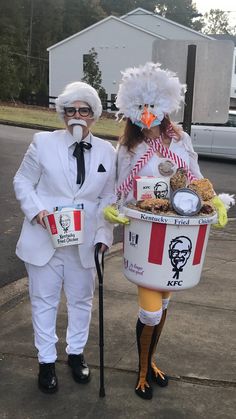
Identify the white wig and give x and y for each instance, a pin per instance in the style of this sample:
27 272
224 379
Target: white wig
79 91
149 85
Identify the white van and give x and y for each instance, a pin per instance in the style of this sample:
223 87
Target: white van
218 140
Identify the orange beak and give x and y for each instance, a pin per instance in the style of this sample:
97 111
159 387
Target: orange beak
147 118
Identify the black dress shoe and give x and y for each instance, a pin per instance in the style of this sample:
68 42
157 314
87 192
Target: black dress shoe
80 369
47 379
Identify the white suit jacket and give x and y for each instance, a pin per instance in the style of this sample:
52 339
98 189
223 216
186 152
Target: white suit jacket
43 182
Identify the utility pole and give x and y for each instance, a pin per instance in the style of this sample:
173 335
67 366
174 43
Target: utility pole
30 37
190 74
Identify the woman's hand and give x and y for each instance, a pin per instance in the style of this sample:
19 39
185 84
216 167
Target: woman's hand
112 215
221 212
39 218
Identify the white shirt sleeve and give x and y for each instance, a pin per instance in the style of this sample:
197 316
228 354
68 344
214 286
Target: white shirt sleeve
25 182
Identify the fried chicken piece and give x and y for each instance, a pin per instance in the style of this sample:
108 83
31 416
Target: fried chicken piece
146 204
207 208
203 187
154 205
179 179
162 205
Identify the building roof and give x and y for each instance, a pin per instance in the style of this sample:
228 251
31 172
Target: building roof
224 37
101 22
141 11
122 20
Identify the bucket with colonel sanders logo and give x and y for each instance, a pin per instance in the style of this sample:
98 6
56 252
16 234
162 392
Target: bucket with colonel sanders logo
65 226
165 253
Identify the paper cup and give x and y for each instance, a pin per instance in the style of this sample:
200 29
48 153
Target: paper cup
165 253
65 227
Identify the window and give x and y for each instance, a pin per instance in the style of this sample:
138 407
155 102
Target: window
230 123
232 120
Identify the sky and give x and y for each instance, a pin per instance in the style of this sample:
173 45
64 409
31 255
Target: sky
204 6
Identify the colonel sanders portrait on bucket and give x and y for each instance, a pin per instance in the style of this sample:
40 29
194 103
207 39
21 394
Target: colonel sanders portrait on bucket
179 253
64 221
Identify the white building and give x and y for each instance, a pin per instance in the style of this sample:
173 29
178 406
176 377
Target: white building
120 43
232 38
233 84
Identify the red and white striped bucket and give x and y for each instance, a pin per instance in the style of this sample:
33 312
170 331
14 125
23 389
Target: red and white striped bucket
165 253
65 227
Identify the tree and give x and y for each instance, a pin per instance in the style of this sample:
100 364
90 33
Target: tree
79 14
46 18
180 11
27 28
217 22
92 73
12 41
118 8
9 84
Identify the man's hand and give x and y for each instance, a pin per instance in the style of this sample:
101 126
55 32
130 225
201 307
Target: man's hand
103 248
112 215
221 212
39 218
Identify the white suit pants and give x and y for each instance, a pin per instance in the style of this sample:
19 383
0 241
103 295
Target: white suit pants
45 284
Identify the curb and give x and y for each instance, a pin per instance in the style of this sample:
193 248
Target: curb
26 125
45 128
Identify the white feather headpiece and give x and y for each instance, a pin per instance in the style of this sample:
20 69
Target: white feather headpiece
149 85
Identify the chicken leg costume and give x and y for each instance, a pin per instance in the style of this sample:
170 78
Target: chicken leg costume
146 96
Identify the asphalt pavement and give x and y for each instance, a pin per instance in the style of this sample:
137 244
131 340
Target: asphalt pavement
197 349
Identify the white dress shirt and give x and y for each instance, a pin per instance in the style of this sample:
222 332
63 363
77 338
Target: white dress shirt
73 162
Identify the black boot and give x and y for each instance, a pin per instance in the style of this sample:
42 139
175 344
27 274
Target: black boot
158 376
80 370
47 379
146 337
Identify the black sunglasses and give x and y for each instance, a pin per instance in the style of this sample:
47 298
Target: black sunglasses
83 111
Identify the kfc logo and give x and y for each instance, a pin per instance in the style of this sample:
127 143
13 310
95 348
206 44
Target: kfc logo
179 252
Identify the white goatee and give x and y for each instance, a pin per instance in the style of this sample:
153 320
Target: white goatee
77 128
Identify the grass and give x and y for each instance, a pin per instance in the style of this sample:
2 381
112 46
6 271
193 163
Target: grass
49 118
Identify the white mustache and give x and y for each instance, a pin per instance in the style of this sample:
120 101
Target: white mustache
77 122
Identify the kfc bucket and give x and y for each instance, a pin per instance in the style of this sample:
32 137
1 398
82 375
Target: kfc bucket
65 227
165 252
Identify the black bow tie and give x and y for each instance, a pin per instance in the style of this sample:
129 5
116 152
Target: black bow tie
79 154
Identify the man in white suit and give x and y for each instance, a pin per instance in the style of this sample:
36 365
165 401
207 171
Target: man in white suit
65 168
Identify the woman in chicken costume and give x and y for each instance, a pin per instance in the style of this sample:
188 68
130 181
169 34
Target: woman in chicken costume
146 97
